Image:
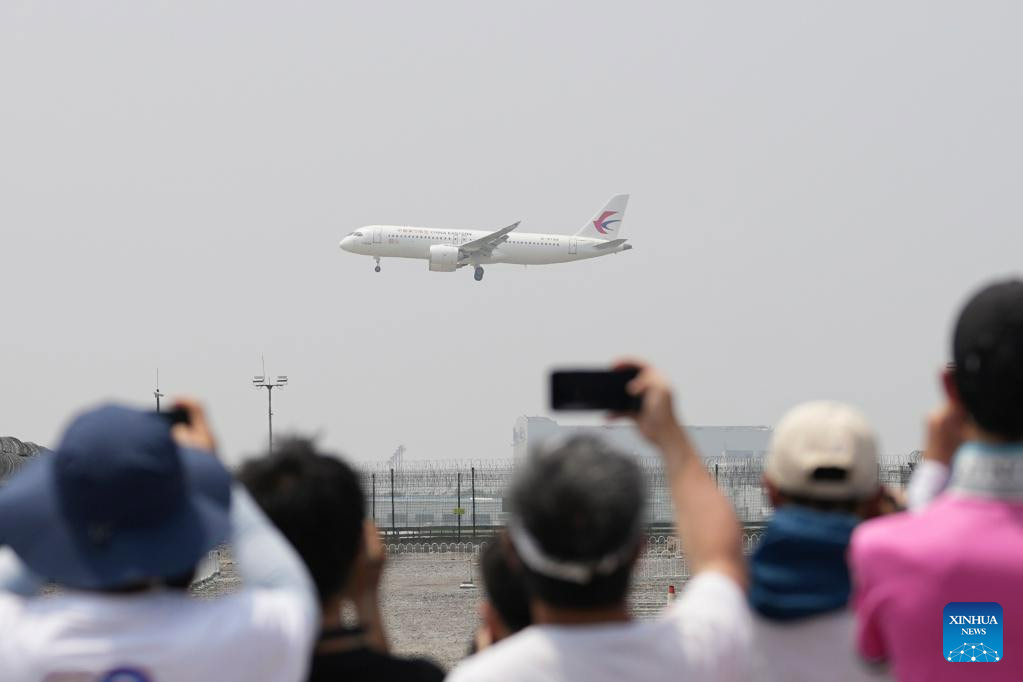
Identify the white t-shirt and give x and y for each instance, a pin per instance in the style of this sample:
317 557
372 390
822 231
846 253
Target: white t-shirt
163 636
810 649
929 479
705 636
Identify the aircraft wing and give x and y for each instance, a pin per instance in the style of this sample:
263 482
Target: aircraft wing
486 245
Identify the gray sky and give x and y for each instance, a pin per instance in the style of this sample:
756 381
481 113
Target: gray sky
815 188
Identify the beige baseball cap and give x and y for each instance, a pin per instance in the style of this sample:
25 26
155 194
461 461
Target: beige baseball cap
824 451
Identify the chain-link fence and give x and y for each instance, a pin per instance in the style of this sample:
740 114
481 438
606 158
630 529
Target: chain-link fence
455 501
442 499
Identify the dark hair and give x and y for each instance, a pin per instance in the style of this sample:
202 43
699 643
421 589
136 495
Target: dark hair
505 587
580 502
316 502
987 346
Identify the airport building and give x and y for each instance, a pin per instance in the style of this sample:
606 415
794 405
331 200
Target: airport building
711 441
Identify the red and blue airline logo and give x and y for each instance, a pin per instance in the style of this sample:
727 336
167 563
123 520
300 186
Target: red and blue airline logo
602 223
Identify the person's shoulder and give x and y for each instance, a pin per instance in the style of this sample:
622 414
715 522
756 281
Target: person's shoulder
708 630
711 602
888 534
893 549
10 601
270 621
11 608
264 627
262 604
839 618
710 590
503 660
825 642
716 582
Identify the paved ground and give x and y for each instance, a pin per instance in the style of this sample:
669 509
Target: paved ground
425 612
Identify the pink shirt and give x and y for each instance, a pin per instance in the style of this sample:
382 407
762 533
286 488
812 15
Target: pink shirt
967 546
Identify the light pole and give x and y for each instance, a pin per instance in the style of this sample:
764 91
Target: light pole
262 381
156 393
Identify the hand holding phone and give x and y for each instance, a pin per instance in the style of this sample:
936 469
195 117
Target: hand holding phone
656 417
189 426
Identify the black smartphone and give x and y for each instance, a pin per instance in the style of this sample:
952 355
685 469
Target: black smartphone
601 389
178 415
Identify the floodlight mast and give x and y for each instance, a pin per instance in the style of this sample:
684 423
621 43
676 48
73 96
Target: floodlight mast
156 393
261 381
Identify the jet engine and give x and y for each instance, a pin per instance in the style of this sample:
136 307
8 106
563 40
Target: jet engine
443 258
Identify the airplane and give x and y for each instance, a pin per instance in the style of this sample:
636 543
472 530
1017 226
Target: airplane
448 250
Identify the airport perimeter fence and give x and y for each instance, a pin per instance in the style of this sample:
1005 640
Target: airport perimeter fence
14 454
416 507
442 503
661 558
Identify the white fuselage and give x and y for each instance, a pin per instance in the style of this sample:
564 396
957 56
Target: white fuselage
521 248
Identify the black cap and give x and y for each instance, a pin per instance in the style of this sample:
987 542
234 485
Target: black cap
988 351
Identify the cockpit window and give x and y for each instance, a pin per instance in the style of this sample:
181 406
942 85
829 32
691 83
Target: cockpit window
357 234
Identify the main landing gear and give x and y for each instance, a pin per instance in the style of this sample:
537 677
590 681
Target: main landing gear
478 275
377 268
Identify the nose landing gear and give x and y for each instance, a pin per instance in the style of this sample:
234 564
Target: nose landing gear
377 268
478 274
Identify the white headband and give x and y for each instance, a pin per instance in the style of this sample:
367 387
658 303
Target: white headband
578 572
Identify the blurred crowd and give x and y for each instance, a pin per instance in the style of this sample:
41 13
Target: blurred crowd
99 543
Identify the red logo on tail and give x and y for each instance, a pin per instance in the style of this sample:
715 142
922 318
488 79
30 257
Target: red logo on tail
602 223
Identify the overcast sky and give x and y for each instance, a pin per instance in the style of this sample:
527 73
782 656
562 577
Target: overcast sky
815 189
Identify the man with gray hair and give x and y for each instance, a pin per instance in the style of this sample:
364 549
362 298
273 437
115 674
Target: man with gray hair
576 531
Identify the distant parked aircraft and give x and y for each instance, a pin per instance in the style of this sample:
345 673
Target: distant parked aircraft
448 250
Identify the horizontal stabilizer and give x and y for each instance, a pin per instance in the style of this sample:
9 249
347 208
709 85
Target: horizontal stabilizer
611 244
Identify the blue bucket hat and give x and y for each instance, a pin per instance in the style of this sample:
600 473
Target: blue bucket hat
118 503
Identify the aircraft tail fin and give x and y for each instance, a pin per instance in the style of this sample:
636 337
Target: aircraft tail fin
606 223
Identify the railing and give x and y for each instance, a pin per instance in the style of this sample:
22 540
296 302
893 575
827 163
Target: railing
660 558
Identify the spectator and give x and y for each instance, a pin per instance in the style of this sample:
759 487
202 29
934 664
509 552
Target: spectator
505 610
577 529
119 517
821 478
966 545
318 504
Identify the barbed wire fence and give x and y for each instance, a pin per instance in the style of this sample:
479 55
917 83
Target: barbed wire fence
434 505
448 511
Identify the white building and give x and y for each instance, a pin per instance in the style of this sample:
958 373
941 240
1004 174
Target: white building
711 441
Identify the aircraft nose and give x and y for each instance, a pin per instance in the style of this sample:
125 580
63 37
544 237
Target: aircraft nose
346 243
